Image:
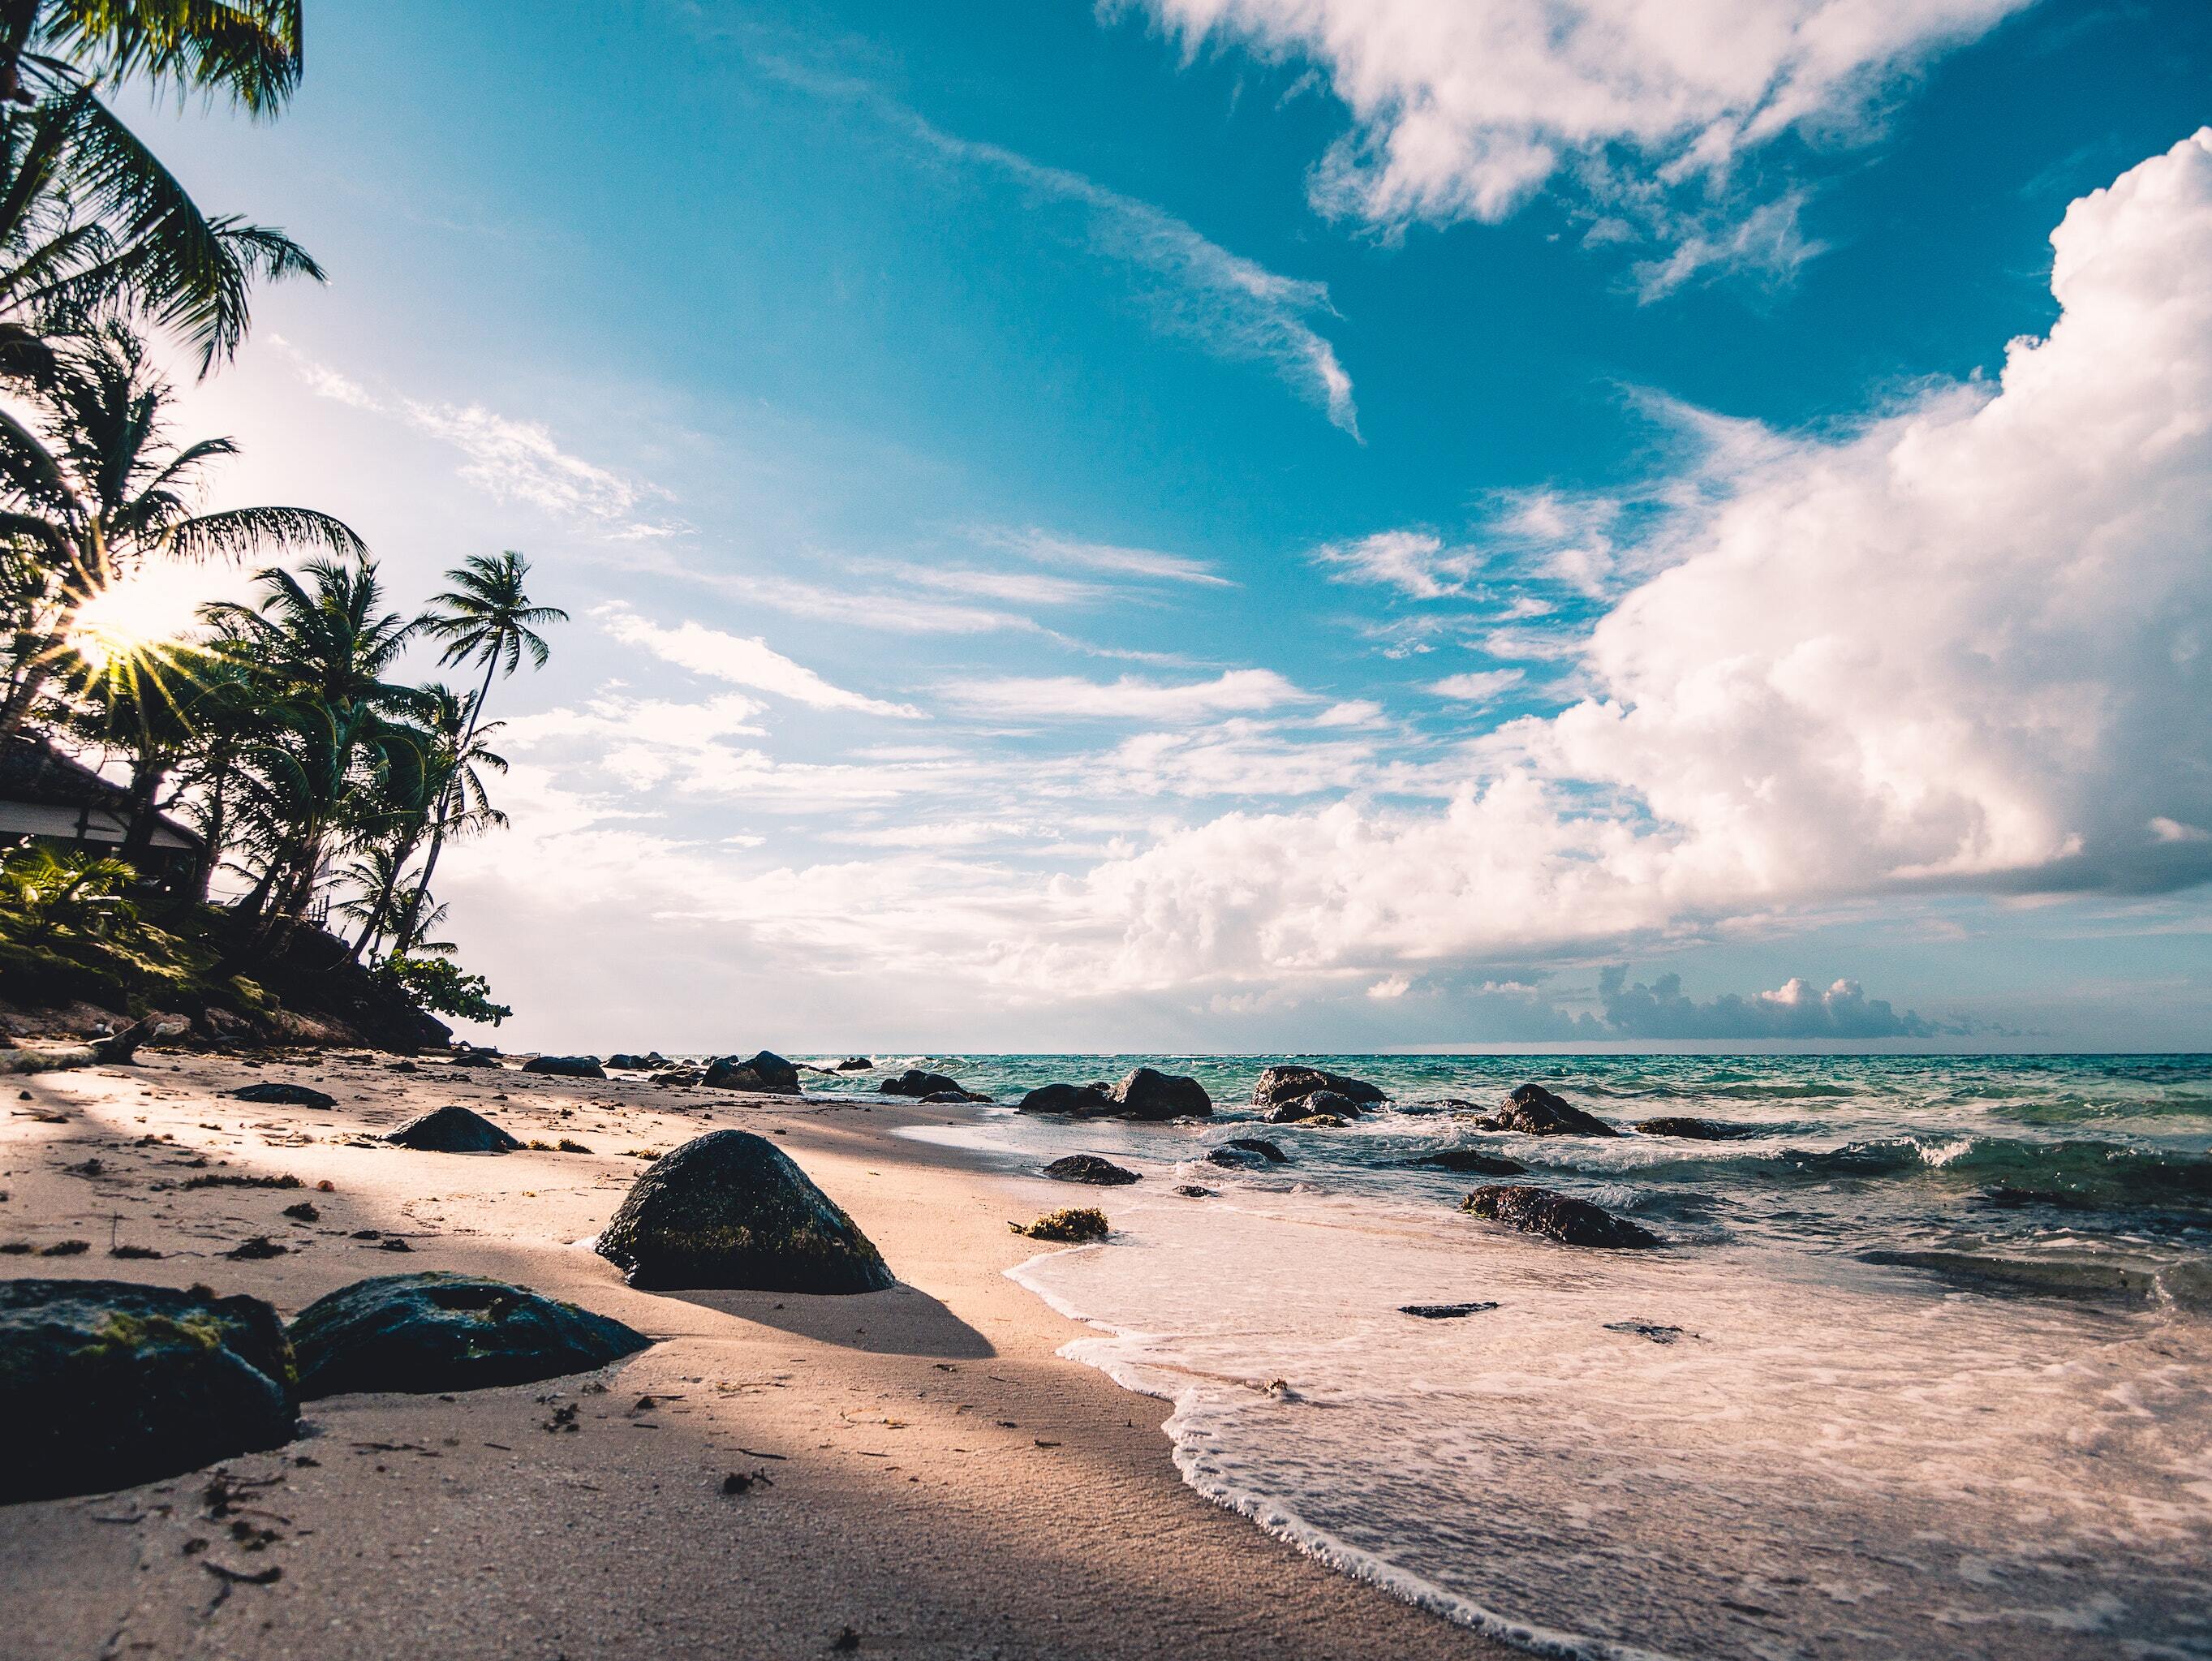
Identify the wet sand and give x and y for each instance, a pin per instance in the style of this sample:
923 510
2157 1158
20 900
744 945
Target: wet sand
937 1482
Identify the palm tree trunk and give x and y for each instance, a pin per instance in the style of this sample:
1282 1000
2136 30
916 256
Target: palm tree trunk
405 932
22 697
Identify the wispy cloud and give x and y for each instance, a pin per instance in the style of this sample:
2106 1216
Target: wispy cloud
1479 686
1103 556
1067 698
1415 562
742 662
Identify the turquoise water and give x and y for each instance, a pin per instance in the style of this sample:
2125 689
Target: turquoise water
1992 1439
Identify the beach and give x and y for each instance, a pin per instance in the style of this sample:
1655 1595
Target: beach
931 1478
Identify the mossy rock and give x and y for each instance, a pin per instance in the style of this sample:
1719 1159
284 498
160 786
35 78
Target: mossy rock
106 1384
420 1333
1090 1168
1078 1226
731 1210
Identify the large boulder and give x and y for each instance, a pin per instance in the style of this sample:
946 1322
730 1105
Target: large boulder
420 1333
105 1384
1149 1093
650 1062
765 1073
469 1054
1090 1168
1556 1217
1281 1085
453 1129
854 1064
1080 1101
916 1082
1323 1104
566 1066
285 1095
1536 1111
729 1210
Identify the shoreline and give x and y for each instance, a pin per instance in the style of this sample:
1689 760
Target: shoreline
942 1483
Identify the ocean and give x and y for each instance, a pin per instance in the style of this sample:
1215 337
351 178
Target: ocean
1924 1369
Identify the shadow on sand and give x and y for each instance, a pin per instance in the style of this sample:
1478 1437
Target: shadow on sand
900 1321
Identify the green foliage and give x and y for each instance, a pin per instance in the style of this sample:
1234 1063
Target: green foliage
443 987
42 891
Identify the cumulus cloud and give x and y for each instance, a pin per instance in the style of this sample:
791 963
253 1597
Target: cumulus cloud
1962 648
742 662
1067 697
1463 109
1793 1010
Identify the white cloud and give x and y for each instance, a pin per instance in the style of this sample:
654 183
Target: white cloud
1963 648
1463 109
742 662
1353 712
1066 697
1415 562
1105 556
1477 686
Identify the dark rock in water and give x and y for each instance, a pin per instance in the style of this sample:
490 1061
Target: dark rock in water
949 1097
1536 1111
105 1384
2048 1277
1556 1217
1443 1311
854 1064
1247 1153
644 1063
421 1332
1279 1085
916 1082
471 1056
1072 1227
1698 1130
765 1073
1651 1329
1090 1168
1192 1191
1319 1104
729 1210
1149 1093
566 1066
453 1129
1259 1144
1472 1161
285 1095
677 1075
1080 1101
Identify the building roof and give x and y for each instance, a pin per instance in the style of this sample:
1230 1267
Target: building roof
32 770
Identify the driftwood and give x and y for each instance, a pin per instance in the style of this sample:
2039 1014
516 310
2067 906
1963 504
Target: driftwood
114 1051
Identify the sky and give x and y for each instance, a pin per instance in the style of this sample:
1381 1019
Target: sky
1260 525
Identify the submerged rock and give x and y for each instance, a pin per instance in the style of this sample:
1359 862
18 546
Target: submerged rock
1090 1168
1318 1107
2049 1277
285 1095
1280 1086
854 1064
1556 1217
1536 1111
105 1384
1271 1152
947 1097
1443 1311
1192 1191
731 1210
1080 1101
767 1072
453 1129
1074 1227
916 1082
1651 1329
420 1333
1149 1093
1473 1161
1698 1130
566 1066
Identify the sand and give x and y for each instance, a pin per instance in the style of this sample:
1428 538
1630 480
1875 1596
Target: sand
937 1482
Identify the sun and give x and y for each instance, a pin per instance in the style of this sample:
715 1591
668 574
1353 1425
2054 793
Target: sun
128 619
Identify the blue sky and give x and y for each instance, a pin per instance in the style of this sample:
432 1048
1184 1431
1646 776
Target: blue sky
1244 524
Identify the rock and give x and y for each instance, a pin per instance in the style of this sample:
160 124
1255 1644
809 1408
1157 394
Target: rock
1192 1191
1280 1084
947 1097
915 1082
1313 1108
1556 1217
1149 1093
1473 1161
474 1056
731 1209
1443 1311
767 1072
1699 1130
679 1075
285 1095
424 1333
1080 1101
1259 1144
1651 1329
1536 1111
566 1066
1072 1227
854 1064
453 1129
1090 1168
644 1063
105 1384
1247 1153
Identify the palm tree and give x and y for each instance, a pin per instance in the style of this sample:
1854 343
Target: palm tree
485 617
143 701
323 649
100 489
249 49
